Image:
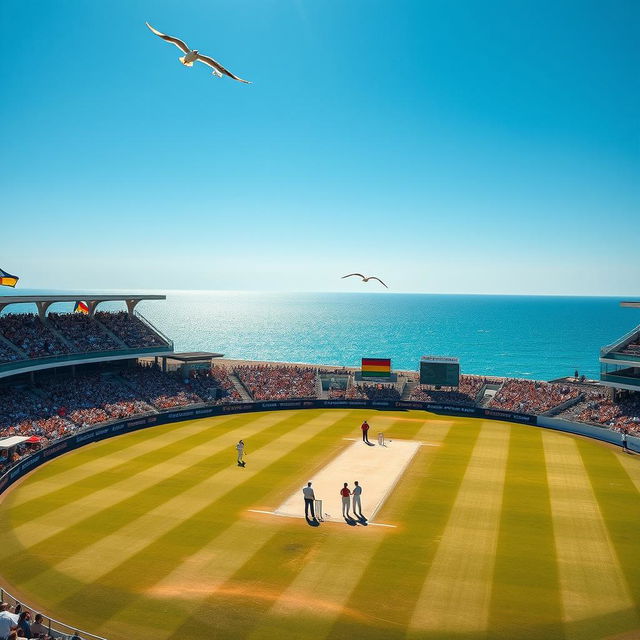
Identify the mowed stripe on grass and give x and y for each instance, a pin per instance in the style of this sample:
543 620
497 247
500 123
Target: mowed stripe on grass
456 593
591 579
619 503
525 601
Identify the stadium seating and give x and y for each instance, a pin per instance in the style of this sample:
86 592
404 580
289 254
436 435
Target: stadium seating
27 332
131 330
266 382
82 332
64 333
465 395
530 396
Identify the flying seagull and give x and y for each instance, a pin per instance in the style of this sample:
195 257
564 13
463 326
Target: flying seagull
364 279
192 55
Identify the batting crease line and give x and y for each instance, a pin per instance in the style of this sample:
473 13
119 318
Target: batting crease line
422 444
283 515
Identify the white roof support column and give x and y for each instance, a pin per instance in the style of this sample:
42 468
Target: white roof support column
131 305
92 304
43 305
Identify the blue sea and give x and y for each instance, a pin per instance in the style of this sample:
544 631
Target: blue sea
524 336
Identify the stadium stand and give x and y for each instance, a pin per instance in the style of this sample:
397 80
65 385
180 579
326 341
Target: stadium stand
130 329
83 332
7 354
266 382
27 332
93 399
378 392
530 396
598 407
465 395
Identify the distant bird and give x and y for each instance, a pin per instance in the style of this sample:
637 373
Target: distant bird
365 279
192 55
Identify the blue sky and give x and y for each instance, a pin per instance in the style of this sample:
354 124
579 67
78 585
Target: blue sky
480 147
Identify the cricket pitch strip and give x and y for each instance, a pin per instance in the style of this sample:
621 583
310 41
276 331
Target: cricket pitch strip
377 468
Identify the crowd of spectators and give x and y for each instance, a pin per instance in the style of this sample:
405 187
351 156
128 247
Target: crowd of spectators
130 329
466 394
266 382
600 408
78 333
379 391
213 385
25 413
27 332
19 622
531 396
89 400
228 391
162 390
7 354
56 407
83 332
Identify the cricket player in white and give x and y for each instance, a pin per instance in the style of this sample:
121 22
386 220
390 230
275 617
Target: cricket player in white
357 505
240 449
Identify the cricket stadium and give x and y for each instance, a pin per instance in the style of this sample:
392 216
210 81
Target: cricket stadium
491 508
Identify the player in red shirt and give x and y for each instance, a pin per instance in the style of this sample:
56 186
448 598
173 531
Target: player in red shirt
365 432
345 493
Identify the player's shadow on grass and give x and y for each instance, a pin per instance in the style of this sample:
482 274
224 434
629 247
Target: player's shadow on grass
361 520
312 523
370 444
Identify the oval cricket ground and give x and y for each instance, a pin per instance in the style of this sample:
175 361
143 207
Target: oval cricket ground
492 530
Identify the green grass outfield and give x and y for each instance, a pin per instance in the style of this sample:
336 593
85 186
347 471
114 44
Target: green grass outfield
502 531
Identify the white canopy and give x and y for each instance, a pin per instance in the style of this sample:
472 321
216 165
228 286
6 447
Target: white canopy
11 441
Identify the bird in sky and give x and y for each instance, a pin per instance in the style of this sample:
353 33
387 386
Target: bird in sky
365 279
193 55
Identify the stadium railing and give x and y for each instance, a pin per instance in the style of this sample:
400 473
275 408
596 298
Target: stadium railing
609 349
153 328
55 628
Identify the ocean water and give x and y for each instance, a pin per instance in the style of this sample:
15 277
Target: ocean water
524 336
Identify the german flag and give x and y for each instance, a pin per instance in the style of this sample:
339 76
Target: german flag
7 280
376 367
81 307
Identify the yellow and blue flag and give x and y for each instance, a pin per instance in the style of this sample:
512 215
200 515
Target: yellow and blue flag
7 280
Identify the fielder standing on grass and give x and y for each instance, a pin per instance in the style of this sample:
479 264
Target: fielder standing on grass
623 435
309 498
240 450
346 501
365 432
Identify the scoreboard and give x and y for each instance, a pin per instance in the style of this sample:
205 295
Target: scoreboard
439 371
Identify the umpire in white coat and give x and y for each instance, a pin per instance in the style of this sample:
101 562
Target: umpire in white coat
357 504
